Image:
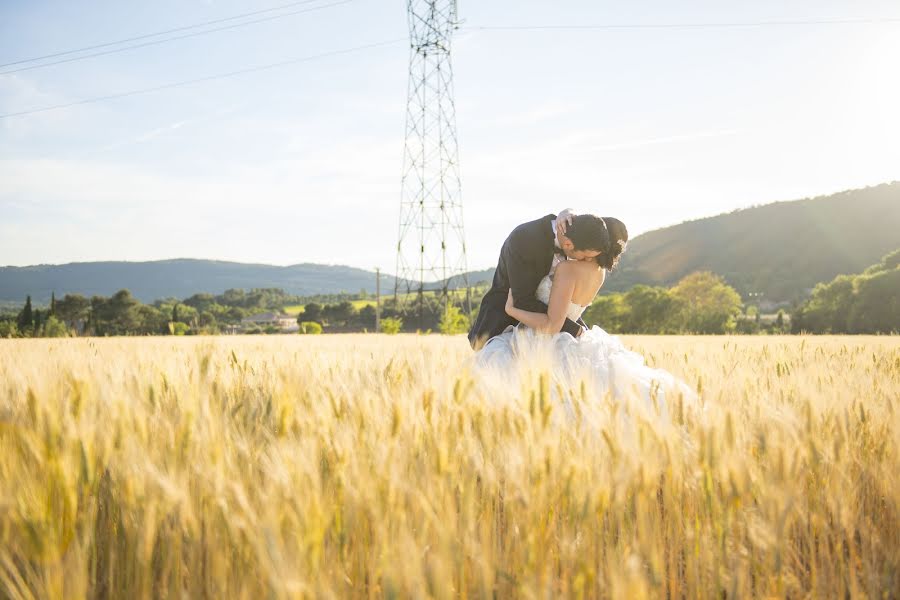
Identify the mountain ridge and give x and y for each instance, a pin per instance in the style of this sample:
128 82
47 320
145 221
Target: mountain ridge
779 250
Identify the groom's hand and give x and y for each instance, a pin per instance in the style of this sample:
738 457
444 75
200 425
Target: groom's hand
563 220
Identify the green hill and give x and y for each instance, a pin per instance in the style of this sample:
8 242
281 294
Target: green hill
179 278
781 250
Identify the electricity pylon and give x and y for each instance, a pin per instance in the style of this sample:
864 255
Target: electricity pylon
431 251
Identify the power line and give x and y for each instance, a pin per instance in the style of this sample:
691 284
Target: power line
725 25
171 39
164 32
229 74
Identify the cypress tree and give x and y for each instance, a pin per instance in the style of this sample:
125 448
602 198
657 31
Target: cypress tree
26 317
52 304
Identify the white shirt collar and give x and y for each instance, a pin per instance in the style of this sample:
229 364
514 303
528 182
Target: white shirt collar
555 234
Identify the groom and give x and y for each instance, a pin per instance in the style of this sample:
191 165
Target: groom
527 255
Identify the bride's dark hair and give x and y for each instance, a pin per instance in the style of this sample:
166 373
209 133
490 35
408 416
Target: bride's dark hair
588 232
618 238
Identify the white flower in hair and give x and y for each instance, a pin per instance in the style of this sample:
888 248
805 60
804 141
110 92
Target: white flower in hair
622 244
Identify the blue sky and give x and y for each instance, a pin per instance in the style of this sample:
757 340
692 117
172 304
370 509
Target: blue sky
302 163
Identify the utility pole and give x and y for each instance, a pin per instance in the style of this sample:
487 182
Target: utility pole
377 299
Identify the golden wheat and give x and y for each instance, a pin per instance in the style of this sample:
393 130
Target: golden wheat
374 466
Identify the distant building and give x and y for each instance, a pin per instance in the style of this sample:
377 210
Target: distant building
285 323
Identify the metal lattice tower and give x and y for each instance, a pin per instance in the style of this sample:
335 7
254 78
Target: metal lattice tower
431 247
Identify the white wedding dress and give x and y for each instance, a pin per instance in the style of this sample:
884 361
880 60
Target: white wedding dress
595 355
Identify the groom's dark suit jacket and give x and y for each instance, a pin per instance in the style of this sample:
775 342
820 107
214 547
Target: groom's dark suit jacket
525 258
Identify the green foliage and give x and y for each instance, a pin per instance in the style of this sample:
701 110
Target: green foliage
25 320
779 250
700 303
706 304
416 315
310 328
178 328
339 315
609 312
8 329
73 309
312 312
391 325
151 320
453 321
651 309
54 328
366 317
117 315
865 303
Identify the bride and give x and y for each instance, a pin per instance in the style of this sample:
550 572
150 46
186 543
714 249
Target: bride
567 291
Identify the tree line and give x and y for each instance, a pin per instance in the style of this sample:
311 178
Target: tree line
868 302
701 303
123 314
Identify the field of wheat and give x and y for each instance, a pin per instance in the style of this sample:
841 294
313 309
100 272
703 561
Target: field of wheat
378 466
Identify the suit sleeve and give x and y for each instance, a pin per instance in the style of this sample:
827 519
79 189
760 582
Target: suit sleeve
523 282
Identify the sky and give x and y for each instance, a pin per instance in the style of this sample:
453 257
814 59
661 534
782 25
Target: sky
302 163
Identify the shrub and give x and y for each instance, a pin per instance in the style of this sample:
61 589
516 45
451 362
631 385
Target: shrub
310 328
391 325
453 321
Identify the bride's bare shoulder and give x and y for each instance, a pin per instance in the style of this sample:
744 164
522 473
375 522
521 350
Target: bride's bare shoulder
580 267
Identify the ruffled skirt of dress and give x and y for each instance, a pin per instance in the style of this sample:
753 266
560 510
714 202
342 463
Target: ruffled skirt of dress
596 360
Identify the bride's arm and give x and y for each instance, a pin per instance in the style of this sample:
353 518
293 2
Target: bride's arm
560 297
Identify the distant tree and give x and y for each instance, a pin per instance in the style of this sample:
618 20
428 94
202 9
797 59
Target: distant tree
453 321
201 302
312 312
876 303
610 312
25 320
54 328
53 304
779 321
707 304
366 317
828 308
152 321
235 314
184 313
650 310
73 310
208 323
117 315
888 263
8 328
338 315
233 297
